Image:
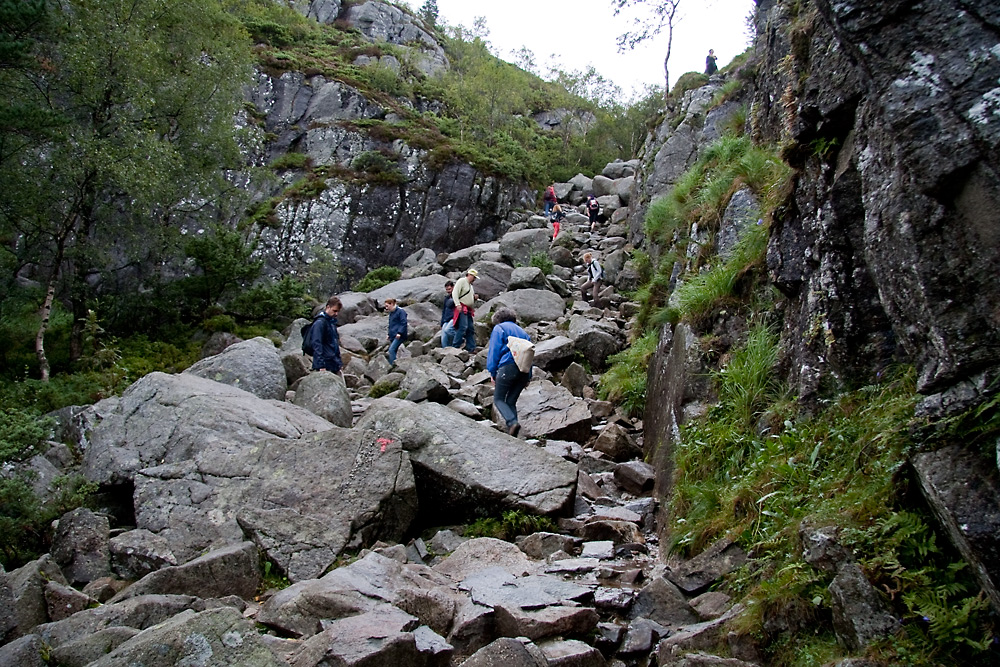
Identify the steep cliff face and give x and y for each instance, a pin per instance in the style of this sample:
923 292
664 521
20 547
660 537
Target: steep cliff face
891 113
358 198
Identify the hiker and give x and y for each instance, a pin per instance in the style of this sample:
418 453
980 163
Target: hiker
710 66
326 339
465 298
595 275
557 217
508 379
447 313
397 328
593 210
550 199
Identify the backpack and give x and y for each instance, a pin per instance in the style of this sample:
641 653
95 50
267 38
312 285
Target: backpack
307 344
593 205
523 352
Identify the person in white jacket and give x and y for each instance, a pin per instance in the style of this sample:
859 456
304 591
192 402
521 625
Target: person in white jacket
595 276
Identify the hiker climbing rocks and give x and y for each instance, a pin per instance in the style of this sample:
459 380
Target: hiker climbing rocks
710 66
595 276
550 199
557 217
465 298
447 313
593 210
326 339
509 380
397 328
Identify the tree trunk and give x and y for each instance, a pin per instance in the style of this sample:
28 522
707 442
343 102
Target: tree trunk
46 312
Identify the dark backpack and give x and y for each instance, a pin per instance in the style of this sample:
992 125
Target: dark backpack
307 344
593 204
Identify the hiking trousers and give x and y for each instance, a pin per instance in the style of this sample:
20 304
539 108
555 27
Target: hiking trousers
510 382
465 331
594 286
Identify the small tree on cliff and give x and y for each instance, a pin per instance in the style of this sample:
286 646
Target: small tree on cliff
663 14
429 12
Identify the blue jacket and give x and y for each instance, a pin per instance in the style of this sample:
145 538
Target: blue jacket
448 312
397 323
326 343
498 353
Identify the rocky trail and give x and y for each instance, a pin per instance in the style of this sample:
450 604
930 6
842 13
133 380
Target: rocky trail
247 465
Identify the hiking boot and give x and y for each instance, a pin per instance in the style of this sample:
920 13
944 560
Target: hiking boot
514 429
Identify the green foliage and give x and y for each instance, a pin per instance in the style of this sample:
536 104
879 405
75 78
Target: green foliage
271 302
624 382
224 260
137 100
541 260
511 524
24 519
747 381
22 434
688 81
697 296
376 278
272 578
291 161
378 167
383 387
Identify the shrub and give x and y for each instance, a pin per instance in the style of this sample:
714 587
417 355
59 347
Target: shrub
511 524
291 161
376 278
542 261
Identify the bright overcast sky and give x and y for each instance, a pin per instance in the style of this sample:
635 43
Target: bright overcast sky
583 32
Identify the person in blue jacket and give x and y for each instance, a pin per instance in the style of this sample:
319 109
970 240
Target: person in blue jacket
508 379
326 339
447 315
397 328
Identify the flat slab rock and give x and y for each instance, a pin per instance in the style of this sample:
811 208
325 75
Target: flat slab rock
465 467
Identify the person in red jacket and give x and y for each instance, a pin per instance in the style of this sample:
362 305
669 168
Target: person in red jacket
549 199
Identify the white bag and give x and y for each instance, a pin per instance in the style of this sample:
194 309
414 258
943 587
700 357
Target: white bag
523 352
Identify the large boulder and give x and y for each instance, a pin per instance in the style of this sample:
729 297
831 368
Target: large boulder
554 353
463 259
169 418
518 247
493 279
412 290
27 595
466 469
425 381
253 365
213 637
136 553
354 305
267 491
325 395
595 340
550 411
603 186
530 305
233 570
80 546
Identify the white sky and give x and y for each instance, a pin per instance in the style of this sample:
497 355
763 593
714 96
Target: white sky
584 32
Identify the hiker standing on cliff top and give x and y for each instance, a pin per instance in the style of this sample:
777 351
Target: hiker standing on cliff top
710 66
550 199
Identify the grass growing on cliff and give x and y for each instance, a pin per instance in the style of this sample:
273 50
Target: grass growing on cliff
753 469
624 382
376 278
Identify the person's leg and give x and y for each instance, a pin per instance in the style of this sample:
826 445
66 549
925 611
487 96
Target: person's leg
469 333
393 346
586 286
506 377
548 207
596 291
458 333
555 226
446 332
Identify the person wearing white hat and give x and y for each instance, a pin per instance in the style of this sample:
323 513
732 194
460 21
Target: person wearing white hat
465 298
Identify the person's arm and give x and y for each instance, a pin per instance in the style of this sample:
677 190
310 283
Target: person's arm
319 356
493 352
405 328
